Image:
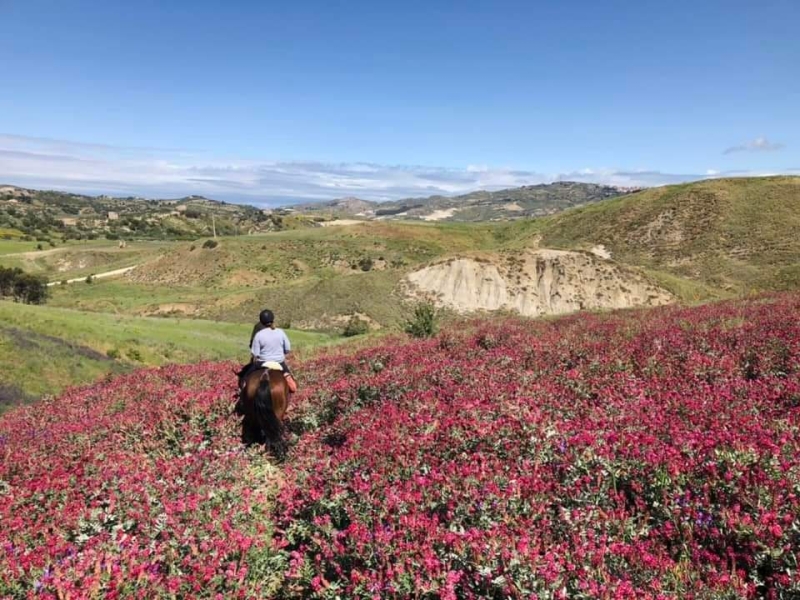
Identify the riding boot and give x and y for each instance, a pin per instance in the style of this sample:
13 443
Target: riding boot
291 383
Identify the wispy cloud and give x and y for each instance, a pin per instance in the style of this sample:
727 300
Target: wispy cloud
159 173
760 144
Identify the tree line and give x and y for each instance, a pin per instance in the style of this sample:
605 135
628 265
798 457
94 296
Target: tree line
23 287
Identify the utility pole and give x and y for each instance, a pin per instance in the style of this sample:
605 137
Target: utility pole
214 225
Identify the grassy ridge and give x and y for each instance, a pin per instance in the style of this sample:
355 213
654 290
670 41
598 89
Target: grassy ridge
729 235
49 348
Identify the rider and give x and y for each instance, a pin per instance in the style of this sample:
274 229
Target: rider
271 344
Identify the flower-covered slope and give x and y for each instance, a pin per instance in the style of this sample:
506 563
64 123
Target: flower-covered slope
648 454
644 454
134 487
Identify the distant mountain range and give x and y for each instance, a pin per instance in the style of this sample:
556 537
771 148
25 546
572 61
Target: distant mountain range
47 215
52 215
502 205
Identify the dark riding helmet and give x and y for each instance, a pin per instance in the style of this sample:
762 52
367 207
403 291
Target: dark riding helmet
267 318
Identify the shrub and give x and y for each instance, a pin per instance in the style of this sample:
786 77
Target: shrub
355 326
488 340
210 244
365 264
89 279
22 286
424 321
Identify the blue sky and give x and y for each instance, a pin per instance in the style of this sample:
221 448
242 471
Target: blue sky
271 102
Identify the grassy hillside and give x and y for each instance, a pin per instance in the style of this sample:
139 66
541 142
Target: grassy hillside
704 240
727 235
49 348
312 278
701 241
79 259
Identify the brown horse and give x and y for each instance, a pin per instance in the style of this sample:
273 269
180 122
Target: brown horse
263 401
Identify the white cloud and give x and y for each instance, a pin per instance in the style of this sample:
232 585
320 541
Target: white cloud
98 169
760 144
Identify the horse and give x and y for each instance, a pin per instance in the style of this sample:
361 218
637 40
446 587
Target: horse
264 399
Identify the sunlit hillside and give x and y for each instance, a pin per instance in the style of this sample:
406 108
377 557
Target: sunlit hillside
643 454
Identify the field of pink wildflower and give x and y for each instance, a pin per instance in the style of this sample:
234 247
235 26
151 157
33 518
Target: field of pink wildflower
640 454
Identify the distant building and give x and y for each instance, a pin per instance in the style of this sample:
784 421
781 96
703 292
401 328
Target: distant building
69 221
112 216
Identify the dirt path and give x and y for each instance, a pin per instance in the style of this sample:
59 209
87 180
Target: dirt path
35 253
98 275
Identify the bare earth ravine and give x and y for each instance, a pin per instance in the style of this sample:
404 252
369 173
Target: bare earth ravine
533 283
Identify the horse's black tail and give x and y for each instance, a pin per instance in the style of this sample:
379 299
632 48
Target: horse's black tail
270 424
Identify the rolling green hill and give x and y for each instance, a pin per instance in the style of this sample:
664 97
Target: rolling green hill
730 236
703 240
313 278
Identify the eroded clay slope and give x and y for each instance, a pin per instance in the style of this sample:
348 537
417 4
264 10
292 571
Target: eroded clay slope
533 283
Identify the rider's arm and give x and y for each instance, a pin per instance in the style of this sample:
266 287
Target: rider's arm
287 345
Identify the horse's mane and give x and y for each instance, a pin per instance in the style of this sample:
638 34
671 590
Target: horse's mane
264 400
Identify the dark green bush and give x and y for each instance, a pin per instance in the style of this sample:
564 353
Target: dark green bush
424 322
355 326
23 287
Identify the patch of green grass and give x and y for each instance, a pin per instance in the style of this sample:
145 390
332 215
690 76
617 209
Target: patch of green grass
43 364
313 302
685 289
49 348
16 245
122 297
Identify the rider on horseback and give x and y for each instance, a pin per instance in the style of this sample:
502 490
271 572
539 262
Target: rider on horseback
271 344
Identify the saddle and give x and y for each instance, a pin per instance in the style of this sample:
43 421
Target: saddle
271 365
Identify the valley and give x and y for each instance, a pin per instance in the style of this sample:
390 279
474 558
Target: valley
678 244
